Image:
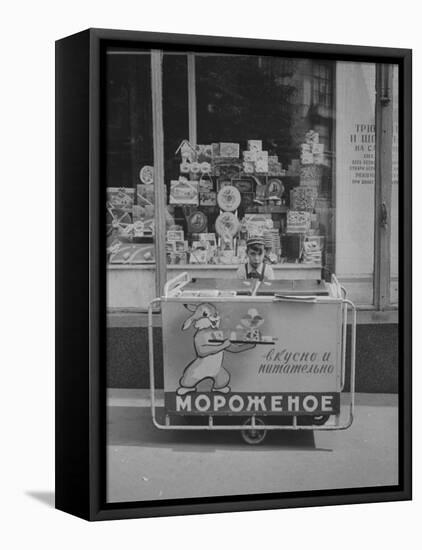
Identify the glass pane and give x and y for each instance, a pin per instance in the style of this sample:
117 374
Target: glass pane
128 179
394 244
355 177
261 167
175 108
176 129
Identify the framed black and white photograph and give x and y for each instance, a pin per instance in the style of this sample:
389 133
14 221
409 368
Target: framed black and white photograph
233 274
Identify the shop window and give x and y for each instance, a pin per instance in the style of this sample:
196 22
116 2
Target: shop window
130 214
260 166
252 146
130 181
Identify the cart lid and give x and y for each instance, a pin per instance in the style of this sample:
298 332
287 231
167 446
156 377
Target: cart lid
244 288
265 288
293 288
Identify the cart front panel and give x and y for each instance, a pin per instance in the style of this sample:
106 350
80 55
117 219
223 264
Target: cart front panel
251 356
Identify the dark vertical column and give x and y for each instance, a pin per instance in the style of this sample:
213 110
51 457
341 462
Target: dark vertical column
72 275
405 274
383 182
160 190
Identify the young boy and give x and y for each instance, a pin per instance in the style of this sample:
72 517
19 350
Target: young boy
255 268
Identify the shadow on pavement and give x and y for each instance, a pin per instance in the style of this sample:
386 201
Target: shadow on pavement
132 426
46 497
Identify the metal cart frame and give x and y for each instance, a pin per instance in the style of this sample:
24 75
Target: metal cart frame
254 423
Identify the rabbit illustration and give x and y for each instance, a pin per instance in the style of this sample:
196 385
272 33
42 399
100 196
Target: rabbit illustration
209 355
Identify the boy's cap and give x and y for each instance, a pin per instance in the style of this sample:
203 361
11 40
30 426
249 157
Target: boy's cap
254 241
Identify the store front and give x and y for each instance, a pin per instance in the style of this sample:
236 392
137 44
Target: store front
206 151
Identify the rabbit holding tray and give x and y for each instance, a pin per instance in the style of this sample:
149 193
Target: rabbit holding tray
208 363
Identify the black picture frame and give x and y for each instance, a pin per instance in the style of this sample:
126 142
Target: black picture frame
80 277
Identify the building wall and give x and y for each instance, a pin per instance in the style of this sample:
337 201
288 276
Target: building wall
377 364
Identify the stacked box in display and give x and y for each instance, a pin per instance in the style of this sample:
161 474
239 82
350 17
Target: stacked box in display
298 221
303 198
310 175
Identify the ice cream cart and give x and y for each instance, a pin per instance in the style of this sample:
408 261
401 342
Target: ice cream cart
254 356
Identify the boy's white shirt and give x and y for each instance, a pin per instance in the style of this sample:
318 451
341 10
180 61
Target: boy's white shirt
269 273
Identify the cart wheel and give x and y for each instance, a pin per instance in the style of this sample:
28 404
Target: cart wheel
251 436
320 420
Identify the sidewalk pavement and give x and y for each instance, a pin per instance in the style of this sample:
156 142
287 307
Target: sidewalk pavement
145 463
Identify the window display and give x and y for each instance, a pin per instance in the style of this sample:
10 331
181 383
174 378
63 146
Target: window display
216 204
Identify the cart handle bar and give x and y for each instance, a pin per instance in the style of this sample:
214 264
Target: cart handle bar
179 280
